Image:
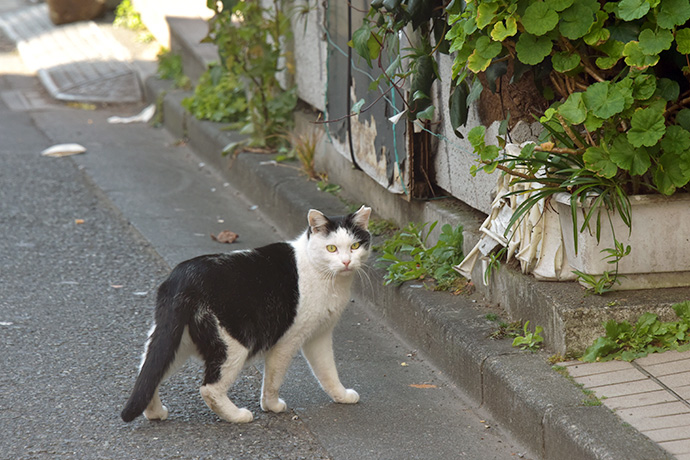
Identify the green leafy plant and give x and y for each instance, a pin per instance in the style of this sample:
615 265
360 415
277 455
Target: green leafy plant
601 284
170 68
494 263
504 329
531 341
127 17
217 97
379 36
379 227
615 73
649 335
249 38
408 255
302 148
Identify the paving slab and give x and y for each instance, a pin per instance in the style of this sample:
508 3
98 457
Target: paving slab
650 394
75 62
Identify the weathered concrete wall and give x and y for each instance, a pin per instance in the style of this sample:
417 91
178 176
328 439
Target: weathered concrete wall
310 54
454 156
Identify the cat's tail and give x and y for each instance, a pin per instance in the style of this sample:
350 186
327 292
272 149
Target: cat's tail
171 318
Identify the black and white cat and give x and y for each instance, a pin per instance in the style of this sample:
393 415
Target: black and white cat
270 301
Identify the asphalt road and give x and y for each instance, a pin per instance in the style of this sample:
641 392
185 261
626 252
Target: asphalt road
85 242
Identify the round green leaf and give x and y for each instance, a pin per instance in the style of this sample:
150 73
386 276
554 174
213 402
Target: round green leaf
477 63
476 137
629 10
634 56
486 12
683 118
539 18
487 48
676 140
673 13
668 89
573 109
565 62
597 33
598 160
633 159
604 99
647 126
644 87
532 50
655 42
576 21
670 172
559 5
683 41
613 50
503 30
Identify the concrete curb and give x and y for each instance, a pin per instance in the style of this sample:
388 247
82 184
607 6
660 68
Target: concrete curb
541 408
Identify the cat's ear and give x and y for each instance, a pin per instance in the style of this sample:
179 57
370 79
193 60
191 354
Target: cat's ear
317 221
361 217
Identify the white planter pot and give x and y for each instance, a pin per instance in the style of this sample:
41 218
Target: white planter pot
659 241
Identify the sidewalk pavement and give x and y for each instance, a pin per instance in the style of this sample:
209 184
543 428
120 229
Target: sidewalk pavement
543 409
650 393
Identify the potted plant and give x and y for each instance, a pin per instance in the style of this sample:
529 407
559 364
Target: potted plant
618 125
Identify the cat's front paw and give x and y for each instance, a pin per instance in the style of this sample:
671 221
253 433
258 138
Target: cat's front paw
350 397
276 405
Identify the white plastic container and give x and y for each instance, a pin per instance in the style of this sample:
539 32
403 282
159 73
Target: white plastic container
659 241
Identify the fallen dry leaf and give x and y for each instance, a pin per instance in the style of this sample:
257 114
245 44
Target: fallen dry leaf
547 146
423 386
226 236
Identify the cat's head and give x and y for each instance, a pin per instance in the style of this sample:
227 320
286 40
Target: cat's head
339 245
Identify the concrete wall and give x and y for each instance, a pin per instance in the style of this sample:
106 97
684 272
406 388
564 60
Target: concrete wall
310 54
454 156
154 12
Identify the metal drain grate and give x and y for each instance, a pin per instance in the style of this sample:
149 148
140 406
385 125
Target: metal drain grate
75 62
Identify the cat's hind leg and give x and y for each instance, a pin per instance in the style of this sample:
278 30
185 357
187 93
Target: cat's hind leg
155 409
223 366
319 354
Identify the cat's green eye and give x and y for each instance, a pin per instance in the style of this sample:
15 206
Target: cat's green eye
331 248
356 245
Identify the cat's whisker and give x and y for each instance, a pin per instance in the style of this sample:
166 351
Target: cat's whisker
364 275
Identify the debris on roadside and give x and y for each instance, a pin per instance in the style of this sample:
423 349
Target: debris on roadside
226 236
63 150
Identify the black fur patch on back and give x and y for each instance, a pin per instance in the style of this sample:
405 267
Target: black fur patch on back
253 294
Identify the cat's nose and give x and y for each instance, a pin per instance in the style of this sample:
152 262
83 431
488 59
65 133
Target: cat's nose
346 263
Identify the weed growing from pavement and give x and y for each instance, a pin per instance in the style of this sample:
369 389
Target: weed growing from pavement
382 227
217 97
520 333
170 68
530 341
649 335
302 148
408 256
